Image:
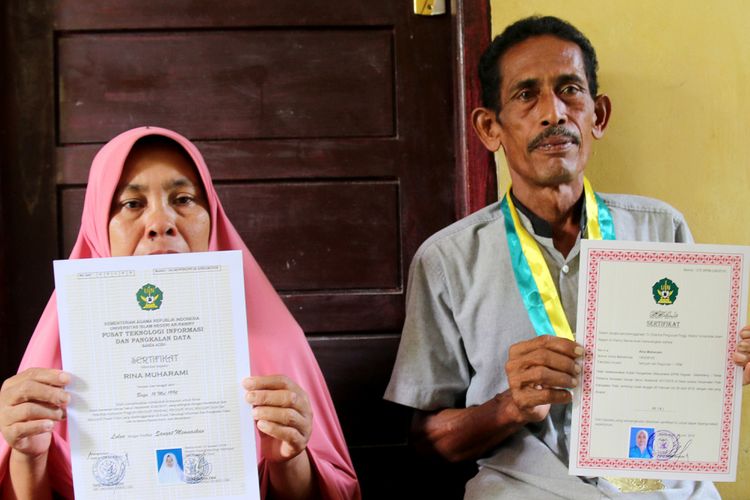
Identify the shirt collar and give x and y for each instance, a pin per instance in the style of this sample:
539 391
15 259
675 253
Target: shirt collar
543 228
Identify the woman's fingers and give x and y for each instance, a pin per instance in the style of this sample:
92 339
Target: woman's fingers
28 412
286 417
282 411
293 442
288 399
21 430
31 389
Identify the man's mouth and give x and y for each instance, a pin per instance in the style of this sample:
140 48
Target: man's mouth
554 139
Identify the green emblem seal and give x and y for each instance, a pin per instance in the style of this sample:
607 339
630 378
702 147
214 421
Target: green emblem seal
149 297
665 291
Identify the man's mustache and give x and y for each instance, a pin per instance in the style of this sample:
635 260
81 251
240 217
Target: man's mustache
555 130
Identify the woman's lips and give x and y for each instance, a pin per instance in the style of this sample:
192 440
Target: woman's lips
162 251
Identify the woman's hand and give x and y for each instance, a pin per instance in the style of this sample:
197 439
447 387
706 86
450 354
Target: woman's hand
282 413
30 403
742 356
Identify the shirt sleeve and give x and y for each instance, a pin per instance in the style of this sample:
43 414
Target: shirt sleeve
431 370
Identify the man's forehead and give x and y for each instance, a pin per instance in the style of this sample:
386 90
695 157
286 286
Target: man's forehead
541 57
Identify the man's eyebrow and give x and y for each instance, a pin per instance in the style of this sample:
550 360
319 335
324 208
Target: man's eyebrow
570 78
524 84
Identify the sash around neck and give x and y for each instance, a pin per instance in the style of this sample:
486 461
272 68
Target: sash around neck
533 277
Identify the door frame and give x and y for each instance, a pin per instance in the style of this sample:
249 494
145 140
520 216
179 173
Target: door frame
476 179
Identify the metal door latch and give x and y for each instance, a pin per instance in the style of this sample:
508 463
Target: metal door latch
429 7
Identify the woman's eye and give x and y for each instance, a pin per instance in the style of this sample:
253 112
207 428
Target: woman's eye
131 204
183 199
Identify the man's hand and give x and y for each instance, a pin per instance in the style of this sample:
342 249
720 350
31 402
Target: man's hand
283 414
539 371
30 403
742 356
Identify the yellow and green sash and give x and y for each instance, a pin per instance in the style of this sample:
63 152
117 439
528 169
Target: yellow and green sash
532 274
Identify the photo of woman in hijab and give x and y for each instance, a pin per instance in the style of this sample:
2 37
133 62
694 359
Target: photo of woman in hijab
150 191
170 467
639 443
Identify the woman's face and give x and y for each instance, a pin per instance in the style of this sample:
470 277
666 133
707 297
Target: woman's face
641 439
169 460
159 206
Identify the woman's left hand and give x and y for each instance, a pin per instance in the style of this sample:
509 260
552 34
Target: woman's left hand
742 356
282 413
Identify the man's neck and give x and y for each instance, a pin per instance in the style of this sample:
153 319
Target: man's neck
557 206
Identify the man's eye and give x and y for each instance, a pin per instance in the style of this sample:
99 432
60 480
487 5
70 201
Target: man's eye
525 95
570 90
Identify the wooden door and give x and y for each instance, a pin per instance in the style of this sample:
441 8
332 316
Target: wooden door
328 126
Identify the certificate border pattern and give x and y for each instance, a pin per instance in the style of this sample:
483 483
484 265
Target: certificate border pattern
596 257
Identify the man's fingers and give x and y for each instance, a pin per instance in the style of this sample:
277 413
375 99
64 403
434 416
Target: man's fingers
544 377
546 342
532 397
550 359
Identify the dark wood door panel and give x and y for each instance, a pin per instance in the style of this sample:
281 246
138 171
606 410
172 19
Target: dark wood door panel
321 235
267 159
239 84
139 14
357 369
307 236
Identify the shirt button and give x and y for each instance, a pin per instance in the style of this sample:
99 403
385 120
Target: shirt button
565 269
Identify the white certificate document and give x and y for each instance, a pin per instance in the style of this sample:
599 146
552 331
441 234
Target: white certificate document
157 348
660 396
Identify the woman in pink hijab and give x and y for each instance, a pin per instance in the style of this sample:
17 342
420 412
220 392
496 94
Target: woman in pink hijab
149 191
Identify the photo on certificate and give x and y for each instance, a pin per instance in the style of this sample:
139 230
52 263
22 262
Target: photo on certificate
660 396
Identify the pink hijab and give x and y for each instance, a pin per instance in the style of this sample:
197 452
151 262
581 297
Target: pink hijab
277 343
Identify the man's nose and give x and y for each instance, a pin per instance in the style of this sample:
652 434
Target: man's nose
160 222
552 109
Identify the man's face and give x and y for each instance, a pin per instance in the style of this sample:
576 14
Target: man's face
547 119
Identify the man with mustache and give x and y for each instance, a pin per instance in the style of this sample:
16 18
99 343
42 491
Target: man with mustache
487 378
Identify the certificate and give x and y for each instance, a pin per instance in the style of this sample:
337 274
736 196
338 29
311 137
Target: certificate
157 347
660 396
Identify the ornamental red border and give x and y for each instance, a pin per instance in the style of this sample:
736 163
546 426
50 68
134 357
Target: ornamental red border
596 257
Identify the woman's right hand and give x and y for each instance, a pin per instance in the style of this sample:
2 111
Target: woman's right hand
30 403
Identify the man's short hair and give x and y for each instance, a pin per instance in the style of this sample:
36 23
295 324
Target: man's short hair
489 64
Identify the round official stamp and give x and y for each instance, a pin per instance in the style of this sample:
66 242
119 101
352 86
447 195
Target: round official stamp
197 468
109 470
665 444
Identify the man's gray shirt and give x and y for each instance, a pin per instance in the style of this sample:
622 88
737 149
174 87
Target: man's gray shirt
464 311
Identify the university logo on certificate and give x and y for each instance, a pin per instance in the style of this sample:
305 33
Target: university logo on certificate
660 396
157 347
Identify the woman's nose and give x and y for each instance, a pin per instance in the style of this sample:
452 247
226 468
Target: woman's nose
161 222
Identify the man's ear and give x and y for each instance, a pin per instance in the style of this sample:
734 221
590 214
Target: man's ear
487 128
602 112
